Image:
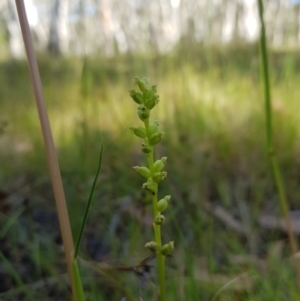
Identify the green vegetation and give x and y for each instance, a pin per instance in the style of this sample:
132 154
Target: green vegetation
213 114
154 173
270 148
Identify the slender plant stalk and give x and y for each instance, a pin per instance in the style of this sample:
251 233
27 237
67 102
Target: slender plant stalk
270 145
154 173
53 165
157 230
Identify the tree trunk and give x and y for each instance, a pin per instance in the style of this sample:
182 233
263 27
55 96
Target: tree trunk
59 35
15 38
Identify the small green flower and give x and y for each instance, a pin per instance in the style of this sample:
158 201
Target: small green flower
159 176
136 96
154 127
150 99
156 138
159 164
143 112
154 88
159 219
151 186
167 248
143 171
146 148
139 131
142 83
152 246
162 204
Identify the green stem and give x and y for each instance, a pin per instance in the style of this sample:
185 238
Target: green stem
78 284
157 228
270 146
265 71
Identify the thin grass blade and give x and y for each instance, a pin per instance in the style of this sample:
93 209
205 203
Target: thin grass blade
88 204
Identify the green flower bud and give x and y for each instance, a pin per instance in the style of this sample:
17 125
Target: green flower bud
142 83
146 148
139 131
143 171
136 96
149 94
163 203
159 219
152 246
159 164
143 112
154 127
150 186
159 176
167 248
154 88
150 99
156 138
150 103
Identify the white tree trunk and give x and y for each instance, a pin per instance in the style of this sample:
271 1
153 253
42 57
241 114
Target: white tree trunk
109 26
59 34
15 41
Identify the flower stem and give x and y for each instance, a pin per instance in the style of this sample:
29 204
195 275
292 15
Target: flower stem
157 232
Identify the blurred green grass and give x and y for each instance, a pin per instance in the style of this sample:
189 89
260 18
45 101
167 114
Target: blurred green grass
212 111
213 118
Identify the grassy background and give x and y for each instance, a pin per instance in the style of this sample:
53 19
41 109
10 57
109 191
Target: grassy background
212 111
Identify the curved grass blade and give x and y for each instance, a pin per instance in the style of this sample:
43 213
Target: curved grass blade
88 204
